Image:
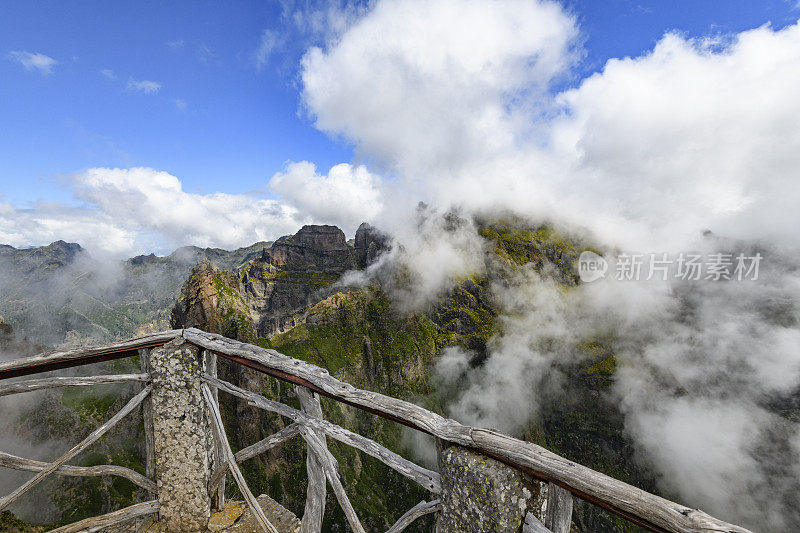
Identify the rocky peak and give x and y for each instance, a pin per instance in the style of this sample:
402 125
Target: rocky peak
369 243
61 251
313 248
321 238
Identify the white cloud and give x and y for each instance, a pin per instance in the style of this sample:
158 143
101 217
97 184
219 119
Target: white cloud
128 211
346 196
143 86
454 98
694 135
178 43
108 73
180 104
34 61
416 84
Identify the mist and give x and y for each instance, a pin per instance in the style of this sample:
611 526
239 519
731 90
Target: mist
692 146
645 156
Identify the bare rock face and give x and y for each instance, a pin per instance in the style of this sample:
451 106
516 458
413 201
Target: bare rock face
313 248
293 274
369 243
483 495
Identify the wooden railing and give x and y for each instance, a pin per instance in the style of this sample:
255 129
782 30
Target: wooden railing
565 478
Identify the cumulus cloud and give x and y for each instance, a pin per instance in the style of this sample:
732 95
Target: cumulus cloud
347 196
127 211
143 86
696 134
416 84
34 61
108 73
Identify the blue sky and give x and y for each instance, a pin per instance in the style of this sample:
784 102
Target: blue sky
220 122
124 125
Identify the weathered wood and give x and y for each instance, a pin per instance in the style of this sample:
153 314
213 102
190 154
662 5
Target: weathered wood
222 438
210 368
645 509
533 525
427 478
99 523
147 419
75 450
8 460
331 468
268 443
55 360
421 509
317 487
558 516
50 383
251 451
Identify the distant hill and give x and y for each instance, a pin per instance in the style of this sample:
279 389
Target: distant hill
59 293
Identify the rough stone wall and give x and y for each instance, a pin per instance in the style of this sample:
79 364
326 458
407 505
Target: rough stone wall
182 437
483 495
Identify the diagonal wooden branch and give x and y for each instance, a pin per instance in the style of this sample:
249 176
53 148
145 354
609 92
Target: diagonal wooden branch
75 450
318 448
99 523
427 478
533 525
317 488
48 383
251 451
648 510
219 434
8 460
421 509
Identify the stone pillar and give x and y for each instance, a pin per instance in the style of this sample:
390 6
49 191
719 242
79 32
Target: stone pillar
182 437
483 495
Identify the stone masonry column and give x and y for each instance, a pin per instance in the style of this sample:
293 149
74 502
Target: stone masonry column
483 495
182 438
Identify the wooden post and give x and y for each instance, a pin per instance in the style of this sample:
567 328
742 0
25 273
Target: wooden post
147 415
210 368
315 493
558 516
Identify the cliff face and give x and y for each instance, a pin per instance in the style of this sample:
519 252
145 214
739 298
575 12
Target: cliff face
285 296
287 299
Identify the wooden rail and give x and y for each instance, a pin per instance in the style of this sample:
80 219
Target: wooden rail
650 511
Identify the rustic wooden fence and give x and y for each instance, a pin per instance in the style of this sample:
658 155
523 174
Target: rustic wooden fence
565 478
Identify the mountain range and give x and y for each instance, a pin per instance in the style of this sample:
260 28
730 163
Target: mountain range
293 295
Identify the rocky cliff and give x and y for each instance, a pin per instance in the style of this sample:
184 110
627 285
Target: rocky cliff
286 295
288 299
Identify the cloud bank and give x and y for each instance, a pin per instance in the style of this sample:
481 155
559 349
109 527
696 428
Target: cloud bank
697 134
123 212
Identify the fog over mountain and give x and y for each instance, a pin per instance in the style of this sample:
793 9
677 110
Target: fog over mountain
691 147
